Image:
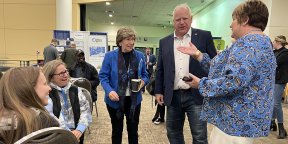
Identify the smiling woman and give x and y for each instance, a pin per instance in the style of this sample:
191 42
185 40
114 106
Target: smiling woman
118 70
67 102
23 94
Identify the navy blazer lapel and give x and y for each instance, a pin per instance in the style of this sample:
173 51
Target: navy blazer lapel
194 36
170 55
194 40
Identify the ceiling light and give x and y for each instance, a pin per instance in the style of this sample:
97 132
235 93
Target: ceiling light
108 3
110 15
112 23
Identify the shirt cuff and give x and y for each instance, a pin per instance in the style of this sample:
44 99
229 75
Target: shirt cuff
81 128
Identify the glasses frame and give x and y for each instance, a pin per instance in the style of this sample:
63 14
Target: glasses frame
62 74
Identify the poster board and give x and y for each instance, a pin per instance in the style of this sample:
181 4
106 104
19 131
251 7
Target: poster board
97 46
94 44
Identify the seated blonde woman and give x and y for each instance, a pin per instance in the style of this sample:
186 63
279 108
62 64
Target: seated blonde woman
23 94
67 102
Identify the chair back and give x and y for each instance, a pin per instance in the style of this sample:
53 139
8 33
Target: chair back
86 85
51 135
82 82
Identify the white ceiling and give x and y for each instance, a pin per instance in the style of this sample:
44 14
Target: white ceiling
140 12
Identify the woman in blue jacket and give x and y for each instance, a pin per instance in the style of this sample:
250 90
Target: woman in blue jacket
118 68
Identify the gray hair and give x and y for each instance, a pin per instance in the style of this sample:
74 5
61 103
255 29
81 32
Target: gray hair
124 33
184 5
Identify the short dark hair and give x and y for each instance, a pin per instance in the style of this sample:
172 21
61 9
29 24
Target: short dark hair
54 40
255 11
79 51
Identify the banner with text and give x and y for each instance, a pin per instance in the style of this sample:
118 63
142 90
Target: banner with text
97 45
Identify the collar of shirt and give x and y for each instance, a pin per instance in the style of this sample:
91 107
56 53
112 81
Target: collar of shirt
189 33
66 88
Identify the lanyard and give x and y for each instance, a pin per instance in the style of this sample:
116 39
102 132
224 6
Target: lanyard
64 98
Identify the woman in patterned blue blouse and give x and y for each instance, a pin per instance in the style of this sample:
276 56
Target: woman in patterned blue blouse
238 92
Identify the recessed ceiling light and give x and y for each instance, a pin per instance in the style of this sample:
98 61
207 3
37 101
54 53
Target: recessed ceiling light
108 3
110 15
112 23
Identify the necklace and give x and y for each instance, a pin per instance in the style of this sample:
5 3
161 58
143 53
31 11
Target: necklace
253 30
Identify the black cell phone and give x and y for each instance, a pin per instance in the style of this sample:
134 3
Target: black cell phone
187 79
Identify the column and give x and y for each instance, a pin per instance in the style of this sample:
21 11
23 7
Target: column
278 22
64 15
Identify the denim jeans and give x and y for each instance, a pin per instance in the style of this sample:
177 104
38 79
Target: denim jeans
183 103
277 111
117 124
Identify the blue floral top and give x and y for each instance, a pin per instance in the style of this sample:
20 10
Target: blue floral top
238 92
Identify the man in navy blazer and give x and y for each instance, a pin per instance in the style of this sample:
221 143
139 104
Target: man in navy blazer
150 61
172 66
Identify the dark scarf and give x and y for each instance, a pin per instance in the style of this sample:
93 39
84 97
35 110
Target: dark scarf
125 74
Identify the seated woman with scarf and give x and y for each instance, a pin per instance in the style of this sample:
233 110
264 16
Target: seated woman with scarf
118 68
67 102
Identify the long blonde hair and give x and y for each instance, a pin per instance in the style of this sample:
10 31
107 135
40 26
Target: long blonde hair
17 98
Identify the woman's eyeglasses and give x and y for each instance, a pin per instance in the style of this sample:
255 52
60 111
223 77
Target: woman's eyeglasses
62 74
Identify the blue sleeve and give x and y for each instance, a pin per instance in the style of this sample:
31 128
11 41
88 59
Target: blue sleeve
205 62
49 106
239 70
144 73
81 128
104 74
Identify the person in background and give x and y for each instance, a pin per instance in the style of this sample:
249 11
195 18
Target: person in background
50 52
172 66
150 61
69 55
238 92
67 102
159 115
119 67
23 94
85 70
281 79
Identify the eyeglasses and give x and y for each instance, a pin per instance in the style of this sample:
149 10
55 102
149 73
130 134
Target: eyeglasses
62 74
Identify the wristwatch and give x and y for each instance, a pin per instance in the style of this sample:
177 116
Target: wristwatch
197 54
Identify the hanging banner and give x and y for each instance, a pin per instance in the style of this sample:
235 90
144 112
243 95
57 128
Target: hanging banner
97 45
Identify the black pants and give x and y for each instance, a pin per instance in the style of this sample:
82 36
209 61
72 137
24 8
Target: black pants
82 139
160 112
117 124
